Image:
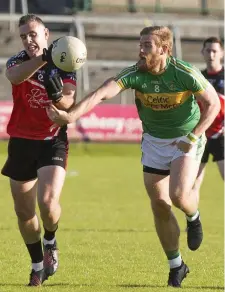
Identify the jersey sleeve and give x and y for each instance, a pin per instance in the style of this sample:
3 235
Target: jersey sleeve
126 78
195 81
68 77
17 59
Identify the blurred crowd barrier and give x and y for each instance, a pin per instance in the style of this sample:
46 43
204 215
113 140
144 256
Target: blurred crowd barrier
112 39
110 30
73 6
103 124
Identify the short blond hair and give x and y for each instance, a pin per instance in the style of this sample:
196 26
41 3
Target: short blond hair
163 33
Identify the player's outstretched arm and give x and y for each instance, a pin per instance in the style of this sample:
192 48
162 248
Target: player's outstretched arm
23 71
210 104
107 90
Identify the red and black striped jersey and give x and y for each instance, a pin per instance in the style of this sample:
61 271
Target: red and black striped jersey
217 81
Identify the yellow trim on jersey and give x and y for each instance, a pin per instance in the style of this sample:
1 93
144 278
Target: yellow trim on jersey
163 101
201 90
124 73
120 84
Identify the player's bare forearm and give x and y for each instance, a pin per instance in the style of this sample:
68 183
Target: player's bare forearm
207 117
108 90
65 103
210 108
21 72
84 106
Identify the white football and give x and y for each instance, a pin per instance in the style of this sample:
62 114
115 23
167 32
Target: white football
69 53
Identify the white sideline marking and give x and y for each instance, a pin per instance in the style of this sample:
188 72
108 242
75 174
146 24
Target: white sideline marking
72 173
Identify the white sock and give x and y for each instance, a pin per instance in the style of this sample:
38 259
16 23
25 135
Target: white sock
51 242
37 266
192 218
175 263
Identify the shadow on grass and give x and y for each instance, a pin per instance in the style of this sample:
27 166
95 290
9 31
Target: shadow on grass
2 228
161 286
106 230
206 287
95 230
216 288
44 285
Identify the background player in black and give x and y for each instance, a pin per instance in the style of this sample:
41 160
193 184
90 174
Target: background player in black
213 53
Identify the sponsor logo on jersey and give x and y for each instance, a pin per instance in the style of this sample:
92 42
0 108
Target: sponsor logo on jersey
57 158
37 98
163 101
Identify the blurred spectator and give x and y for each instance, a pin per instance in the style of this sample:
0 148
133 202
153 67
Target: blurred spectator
49 7
83 136
132 6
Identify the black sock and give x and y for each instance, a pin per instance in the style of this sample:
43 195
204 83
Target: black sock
49 235
35 251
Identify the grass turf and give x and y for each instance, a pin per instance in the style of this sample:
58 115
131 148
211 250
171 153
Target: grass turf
106 235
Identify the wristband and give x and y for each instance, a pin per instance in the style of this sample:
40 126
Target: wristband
187 140
192 137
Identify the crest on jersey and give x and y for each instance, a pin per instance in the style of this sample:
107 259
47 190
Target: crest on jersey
53 72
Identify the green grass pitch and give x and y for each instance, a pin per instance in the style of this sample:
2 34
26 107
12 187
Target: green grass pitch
106 235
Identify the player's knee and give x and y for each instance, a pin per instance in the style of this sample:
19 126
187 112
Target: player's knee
24 215
178 199
161 208
48 207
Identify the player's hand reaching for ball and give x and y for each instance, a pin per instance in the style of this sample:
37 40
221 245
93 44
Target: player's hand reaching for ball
47 54
59 117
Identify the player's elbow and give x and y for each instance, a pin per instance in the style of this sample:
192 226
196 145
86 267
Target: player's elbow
217 106
12 78
15 82
213 106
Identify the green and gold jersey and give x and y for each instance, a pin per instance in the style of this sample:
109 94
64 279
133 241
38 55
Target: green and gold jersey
166 104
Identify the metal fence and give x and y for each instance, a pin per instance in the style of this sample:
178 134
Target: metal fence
203 7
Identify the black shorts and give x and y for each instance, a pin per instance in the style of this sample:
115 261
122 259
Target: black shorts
148 169
26 156
214 147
